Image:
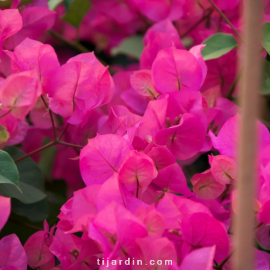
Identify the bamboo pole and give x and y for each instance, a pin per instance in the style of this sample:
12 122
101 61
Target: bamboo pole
249 100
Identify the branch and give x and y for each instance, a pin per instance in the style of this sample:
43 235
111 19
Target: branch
64 131
198 23
220 266
54 142
26 224
7 112
51 116
233 86
69 144
74 45
225 19
35 151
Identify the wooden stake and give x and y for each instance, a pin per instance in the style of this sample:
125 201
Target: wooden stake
249 98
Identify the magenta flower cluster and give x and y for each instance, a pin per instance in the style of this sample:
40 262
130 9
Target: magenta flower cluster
129 196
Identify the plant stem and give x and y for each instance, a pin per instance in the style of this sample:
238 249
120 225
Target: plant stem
225 19
35 151
233 86
55 142
7 112
64 131
26 224
220 266
69 144
259 225
197 23
74 45
138 187
51 116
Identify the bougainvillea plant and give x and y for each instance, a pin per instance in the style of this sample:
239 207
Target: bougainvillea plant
118 133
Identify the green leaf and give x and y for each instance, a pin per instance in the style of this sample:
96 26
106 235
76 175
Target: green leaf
218 45
8 170
35 211
76 11
4 135
7 3
132 46
53 4
31 180
67 4
266 79
266 36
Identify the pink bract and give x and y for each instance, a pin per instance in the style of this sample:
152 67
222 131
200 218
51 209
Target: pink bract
199 259
79 86
10 23
36 20
209 232
19 93
228 136
224 169
206 186
37 248
5 208
175 70
159 36
174 208
31 54
137 169
12 253
102 157
172 179
185 139
142 83
161 156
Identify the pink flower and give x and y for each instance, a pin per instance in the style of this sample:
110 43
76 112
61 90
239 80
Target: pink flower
35 20
228 137
160 10
201 230
10 23
199 259
224 169
163 250
102 157
5 207
137 169
37 248
78 87
12 253
174 208
31 54
153 120
142 83
172 179
120 121
161 156
20 92
159 36
206 186
175 70
185 139
15 128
